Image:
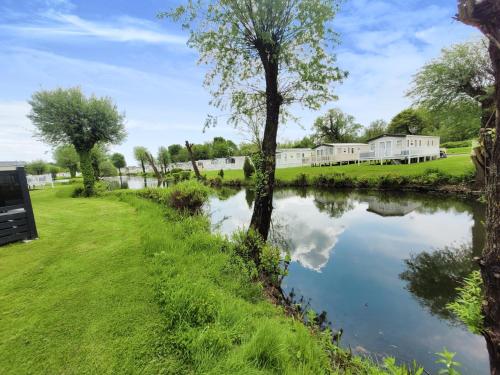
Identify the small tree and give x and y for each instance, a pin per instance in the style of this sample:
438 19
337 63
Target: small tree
54 170
248 168
221 173
163 158
336 126
66 116
107 169
118 161
37 167
408 121
66 157
376 128
140 154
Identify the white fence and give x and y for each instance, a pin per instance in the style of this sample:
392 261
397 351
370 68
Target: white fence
39 180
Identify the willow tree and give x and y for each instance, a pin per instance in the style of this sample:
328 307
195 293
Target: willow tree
66 116
485 15
264 56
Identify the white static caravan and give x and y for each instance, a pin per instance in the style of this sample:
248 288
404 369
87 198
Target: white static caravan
402 147
337 153
232 162
293 157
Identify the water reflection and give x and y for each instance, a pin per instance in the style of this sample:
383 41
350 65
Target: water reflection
383 265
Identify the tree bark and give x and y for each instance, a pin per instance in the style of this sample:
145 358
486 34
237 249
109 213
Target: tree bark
485 15
189 148
88 172
263 206
143 168
151 161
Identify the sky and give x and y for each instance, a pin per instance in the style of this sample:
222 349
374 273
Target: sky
120 49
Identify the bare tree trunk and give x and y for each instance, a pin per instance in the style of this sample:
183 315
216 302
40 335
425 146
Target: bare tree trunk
485 15
189 148
266 166
151 161
143 168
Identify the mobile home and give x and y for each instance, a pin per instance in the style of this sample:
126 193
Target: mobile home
337 153
402 147
293 157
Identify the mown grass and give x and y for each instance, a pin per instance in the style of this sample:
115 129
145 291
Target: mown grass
79 299
459 150
453 166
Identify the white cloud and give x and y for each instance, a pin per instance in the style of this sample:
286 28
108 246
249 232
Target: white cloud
17 141
122 29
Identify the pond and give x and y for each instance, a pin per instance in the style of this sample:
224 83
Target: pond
382 265
136 182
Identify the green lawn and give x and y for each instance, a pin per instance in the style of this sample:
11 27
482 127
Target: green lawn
79 299
459 150
454 165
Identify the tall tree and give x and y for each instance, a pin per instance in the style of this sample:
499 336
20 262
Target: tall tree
336 126
376 128
265 54
485 15
118 161
37 167
174 151
461 75
66 157
163 158
140 154
66 116
408 121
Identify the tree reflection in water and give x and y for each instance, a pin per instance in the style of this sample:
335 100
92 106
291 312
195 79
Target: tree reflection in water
445 268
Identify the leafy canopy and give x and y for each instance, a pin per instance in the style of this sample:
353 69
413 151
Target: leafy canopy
376 128
462 73
408 121
240 39
66 157
66 116
118 160
336 126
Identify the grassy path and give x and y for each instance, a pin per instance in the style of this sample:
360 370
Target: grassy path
79 299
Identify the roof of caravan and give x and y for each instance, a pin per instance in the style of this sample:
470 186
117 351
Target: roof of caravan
401 136
292 149
340 144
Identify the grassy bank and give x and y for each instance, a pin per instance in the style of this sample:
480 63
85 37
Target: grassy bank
459 150
454 172
124 285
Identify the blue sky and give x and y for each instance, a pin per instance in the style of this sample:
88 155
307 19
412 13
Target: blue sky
119 49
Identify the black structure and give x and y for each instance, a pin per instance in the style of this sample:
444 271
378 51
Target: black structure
16 213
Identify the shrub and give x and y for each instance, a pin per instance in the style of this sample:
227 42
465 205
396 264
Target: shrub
300 180
248 168
221 173
176 170
185 175
457 144
188 196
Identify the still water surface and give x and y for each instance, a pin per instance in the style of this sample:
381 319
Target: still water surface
382 265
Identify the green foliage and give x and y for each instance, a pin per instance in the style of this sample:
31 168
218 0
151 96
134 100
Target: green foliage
54 170
66 157
336 127
457 144
248 168
305 142
393 369
408 121
376 128
188 196
140 154
241 42
163 158
118 160
467 307
68 117
221 173
447 359
36 167
107 169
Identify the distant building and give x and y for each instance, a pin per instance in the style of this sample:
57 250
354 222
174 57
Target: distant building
337 153
402 147
293 157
